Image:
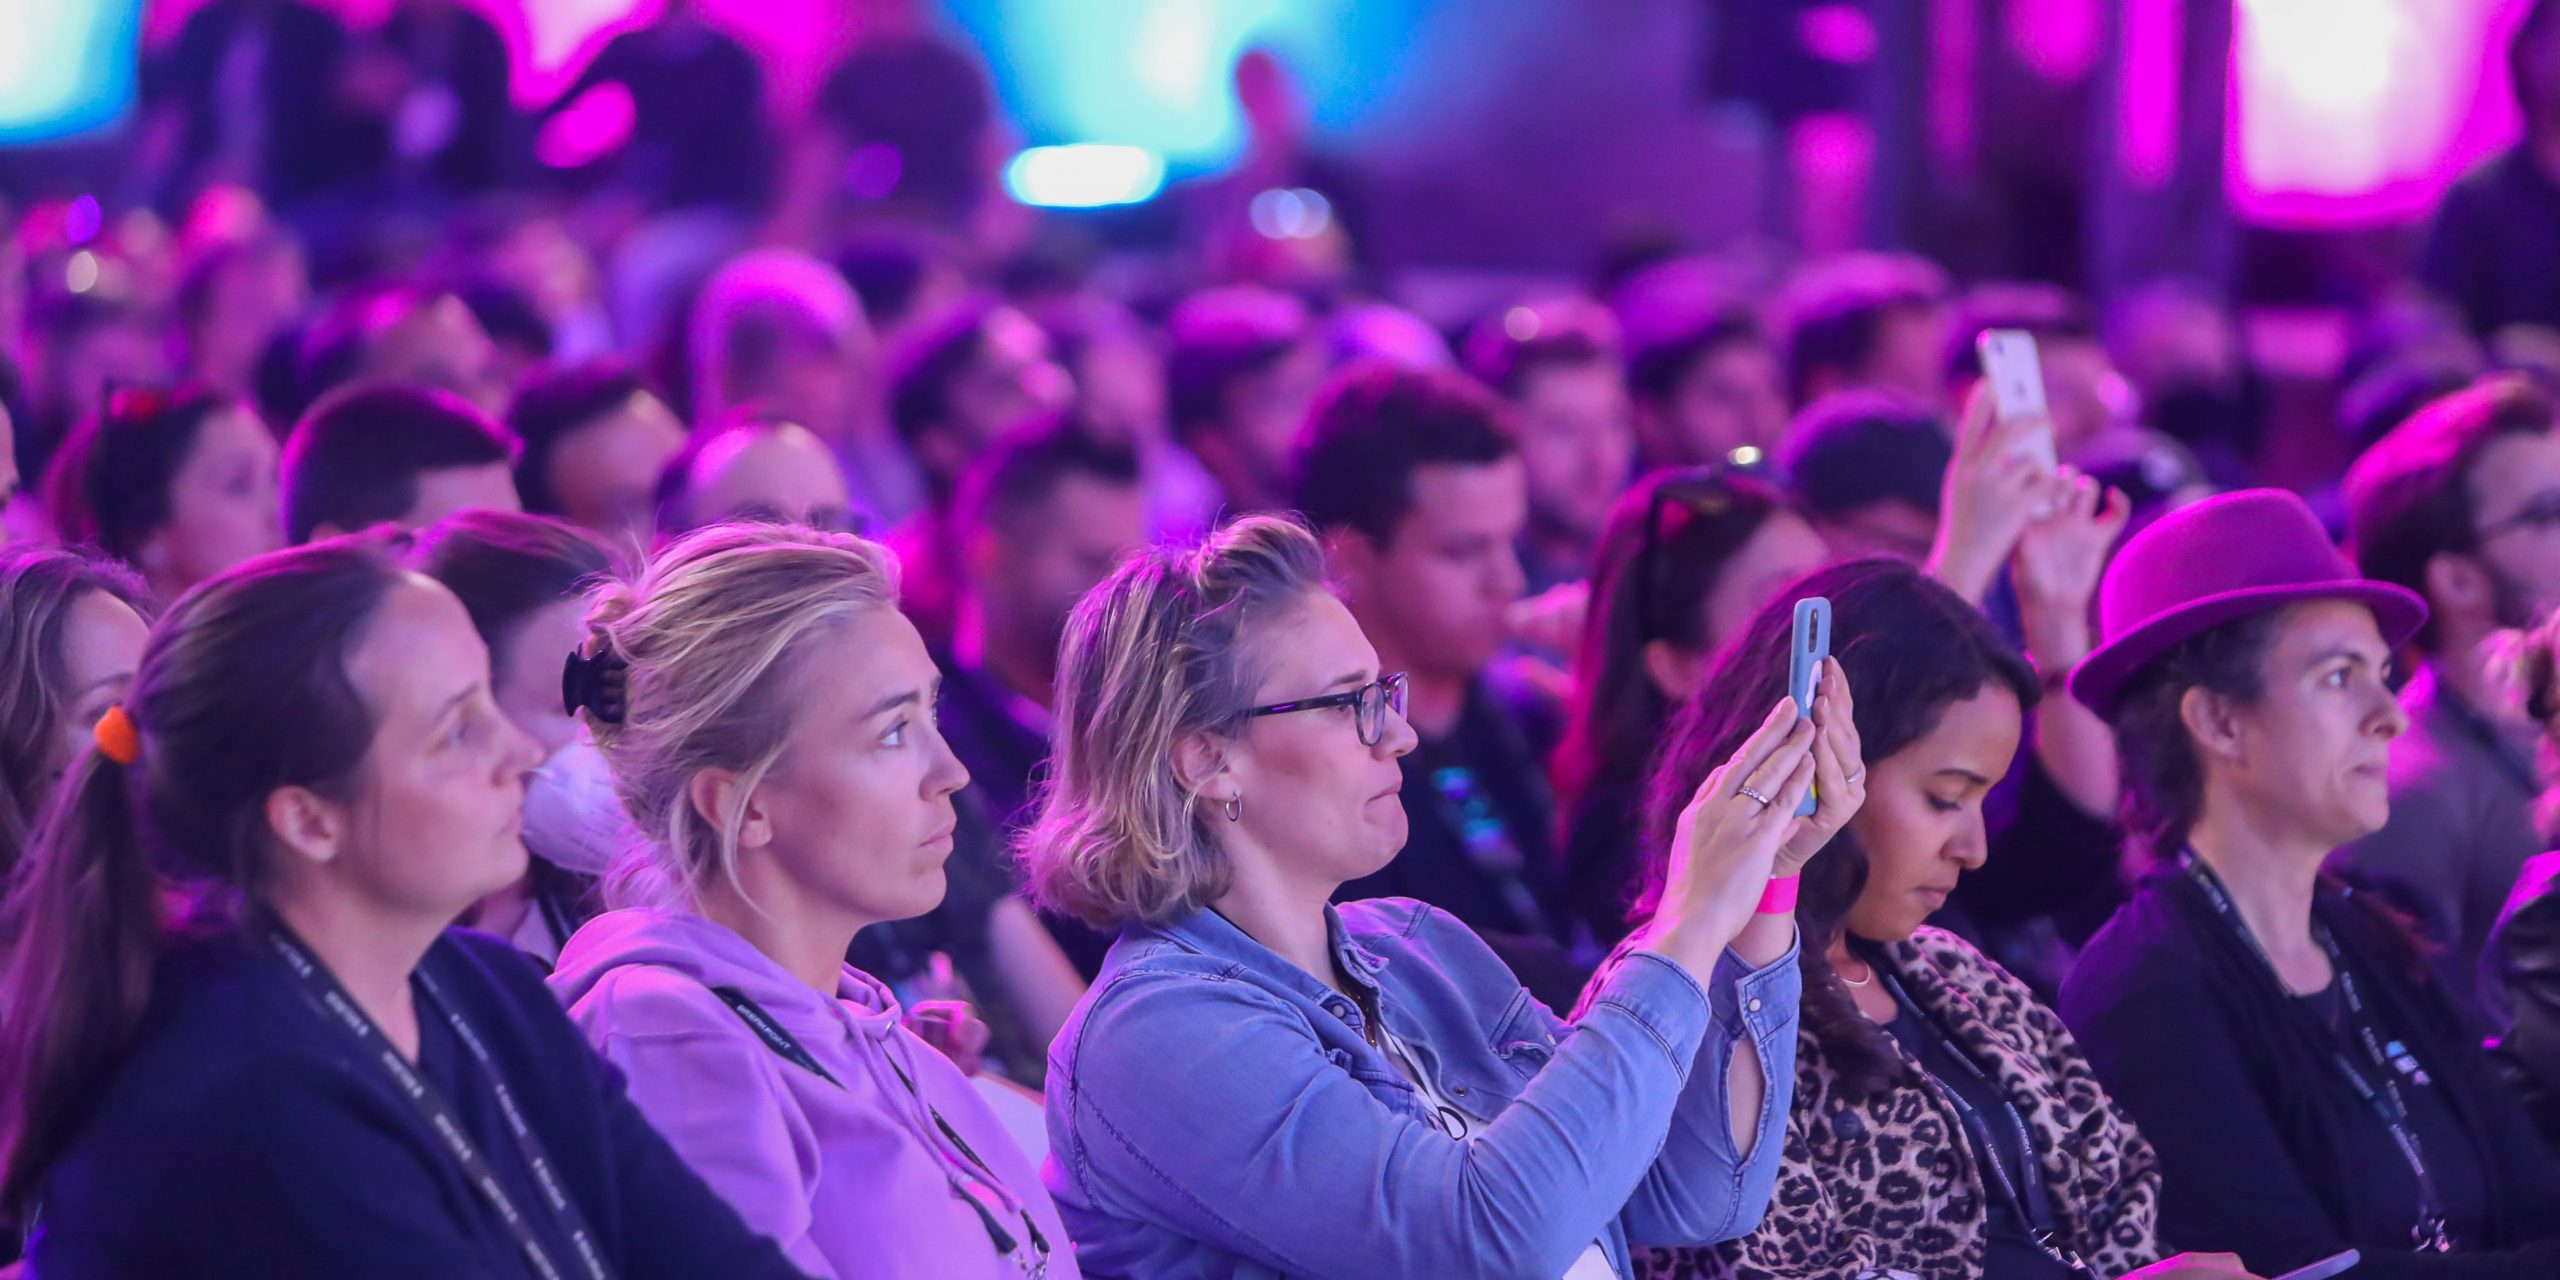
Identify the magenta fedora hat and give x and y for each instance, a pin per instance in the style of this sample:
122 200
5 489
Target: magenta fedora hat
2221 559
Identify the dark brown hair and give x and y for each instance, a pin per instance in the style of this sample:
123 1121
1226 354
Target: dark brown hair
109 486
504 566
244 689
1701 518
2410 497
1911 648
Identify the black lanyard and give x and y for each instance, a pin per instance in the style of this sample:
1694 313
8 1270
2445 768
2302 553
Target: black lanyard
2033 1202
332 999
555 918
2380 1091
787 1047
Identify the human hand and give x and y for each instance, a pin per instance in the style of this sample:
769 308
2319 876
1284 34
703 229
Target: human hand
1725 845
2059 560
1839 772
954 1030
1995 485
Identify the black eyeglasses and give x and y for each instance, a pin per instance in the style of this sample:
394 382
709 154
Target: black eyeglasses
1702 491
1372 700
2541 513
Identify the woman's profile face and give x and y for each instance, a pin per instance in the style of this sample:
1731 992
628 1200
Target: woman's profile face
2311 756
857 812
1922 827
102 639
223 507
1311 793
530 658
435 822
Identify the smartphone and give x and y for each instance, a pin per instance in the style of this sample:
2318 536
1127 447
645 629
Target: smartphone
2016 375
1805 655
2338 1264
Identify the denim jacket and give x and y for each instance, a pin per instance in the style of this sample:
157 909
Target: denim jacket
1215 1111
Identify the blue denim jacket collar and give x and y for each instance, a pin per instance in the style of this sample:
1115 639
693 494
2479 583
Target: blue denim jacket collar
1212 934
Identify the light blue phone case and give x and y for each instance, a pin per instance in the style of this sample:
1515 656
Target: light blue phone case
1805 654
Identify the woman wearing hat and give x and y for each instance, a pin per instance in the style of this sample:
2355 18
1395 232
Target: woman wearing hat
2307 1084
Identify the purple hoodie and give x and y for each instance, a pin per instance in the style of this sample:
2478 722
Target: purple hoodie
853 1178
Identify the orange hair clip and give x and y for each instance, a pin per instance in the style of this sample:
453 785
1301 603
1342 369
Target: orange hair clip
117 738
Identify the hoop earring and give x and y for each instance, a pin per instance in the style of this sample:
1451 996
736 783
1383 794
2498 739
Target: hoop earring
1235 809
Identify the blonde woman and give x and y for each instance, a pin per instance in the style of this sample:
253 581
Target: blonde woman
768 714
1260 1084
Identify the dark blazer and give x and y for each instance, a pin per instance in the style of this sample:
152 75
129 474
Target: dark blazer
244 1135
2243 1100
2522 972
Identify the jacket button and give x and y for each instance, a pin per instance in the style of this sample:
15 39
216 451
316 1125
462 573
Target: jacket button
1458 1091
1753 1006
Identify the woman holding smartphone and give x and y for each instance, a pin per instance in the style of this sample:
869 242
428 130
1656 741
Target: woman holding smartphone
1264 1084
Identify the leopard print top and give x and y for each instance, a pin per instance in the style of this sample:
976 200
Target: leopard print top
1890 1184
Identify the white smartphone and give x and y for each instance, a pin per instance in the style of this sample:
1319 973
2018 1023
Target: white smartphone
2333 1265
2016 375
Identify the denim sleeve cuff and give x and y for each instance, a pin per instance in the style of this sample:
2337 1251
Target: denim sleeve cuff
1662 997
1762 1001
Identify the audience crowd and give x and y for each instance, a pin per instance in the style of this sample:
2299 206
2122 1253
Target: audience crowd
722 708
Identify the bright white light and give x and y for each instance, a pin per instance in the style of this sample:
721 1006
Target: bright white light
1295 213
1084 175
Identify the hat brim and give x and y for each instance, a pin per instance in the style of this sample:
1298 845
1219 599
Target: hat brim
2098 682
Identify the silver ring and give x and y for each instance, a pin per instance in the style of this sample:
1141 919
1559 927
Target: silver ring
1855 776
1748 793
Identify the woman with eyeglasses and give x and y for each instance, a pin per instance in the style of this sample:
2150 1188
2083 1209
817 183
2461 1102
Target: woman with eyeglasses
1262 1084
1687 557
2282 1042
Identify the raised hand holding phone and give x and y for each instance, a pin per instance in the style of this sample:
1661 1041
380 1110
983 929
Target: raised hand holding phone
1807 653
1996 483
2015 374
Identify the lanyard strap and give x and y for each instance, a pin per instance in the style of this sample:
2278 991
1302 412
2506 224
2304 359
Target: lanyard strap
331 998
555 918
2380 1092
788 1047
2032 1201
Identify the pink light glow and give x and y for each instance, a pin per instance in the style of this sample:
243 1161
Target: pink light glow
2360 112
2147 106
1955 58
587 130
2057 39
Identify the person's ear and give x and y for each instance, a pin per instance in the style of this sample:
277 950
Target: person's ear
2459 585
1200 767
1674 670
1353 560
718 794
311 827
152 557
2212 721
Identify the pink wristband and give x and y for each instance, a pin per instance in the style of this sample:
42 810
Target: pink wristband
1780 897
